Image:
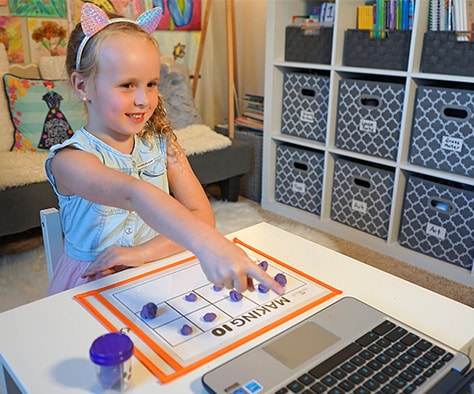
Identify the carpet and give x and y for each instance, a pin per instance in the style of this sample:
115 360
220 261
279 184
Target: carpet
24 279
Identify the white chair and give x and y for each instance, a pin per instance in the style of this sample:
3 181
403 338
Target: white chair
52 237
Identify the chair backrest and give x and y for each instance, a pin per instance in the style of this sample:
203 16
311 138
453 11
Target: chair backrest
52 237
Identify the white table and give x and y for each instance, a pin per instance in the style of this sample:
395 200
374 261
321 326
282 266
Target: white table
44 345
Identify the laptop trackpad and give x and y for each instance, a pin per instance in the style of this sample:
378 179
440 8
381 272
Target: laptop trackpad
300 344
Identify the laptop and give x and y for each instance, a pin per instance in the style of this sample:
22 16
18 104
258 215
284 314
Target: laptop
348 347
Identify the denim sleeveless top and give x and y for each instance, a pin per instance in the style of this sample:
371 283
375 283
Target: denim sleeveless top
90 228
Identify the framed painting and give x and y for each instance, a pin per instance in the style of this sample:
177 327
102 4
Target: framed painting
38 8
10 36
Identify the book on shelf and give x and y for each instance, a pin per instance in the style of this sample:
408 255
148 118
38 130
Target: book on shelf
245 121
252 112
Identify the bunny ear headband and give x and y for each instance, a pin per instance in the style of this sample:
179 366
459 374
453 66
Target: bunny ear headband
94 19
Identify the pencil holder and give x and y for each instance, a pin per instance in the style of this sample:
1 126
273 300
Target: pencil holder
390 52
112 355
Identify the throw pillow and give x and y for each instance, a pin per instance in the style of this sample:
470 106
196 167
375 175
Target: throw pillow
43 112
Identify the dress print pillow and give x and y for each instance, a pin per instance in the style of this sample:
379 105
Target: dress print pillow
44 113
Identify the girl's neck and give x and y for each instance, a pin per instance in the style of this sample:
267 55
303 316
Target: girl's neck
122 143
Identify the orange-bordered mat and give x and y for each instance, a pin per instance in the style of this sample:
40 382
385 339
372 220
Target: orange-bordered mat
183 297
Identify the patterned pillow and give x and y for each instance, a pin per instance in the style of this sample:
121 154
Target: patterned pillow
43 112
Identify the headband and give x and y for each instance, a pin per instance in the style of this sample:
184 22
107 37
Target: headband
94 19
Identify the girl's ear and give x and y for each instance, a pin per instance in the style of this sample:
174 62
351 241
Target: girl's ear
79 85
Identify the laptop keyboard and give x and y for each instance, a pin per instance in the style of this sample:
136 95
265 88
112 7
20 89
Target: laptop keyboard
388 359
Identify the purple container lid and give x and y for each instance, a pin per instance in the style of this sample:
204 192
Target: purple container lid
111 349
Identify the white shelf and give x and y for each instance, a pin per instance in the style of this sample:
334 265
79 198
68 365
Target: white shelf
279 16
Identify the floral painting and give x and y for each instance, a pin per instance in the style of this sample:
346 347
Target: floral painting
48 37
10 36
38 8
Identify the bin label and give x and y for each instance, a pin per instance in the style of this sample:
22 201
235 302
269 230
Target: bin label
359 206
298 187
450 143
368 126
307 116
436 231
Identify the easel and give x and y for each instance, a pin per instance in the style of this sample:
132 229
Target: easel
231 58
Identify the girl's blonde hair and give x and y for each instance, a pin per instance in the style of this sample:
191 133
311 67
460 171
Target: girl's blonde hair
88 68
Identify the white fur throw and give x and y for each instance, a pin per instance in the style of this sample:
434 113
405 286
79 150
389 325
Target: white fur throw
199 138
21 168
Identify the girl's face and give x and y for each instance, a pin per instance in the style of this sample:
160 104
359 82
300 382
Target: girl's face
124 93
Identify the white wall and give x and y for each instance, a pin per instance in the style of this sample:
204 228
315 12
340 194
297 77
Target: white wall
250 26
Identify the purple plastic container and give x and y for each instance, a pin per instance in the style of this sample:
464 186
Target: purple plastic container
112 355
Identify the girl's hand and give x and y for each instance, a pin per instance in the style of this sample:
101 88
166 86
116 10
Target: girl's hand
113 259
226 264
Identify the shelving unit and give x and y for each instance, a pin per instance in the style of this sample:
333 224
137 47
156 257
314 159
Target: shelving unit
278 17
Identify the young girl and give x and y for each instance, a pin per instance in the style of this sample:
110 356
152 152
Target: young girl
114 175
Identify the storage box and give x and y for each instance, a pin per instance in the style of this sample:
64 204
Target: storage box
442 53
362 196
369 117
391 52
442 135
299 177
251 182
305 105
438 220
308 46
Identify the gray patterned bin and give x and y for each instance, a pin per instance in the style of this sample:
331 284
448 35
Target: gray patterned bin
305 105
369 117
362 196
299 177
438 220
442 135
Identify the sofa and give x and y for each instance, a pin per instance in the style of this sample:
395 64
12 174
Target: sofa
24 189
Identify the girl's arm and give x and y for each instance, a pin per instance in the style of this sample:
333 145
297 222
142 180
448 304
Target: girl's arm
78 172
187 189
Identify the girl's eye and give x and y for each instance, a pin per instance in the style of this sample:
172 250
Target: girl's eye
153 84
127 85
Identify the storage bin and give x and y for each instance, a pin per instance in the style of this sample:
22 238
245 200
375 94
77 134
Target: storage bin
251 182
369 117
362 196
308 46
442 53
305 105
299 177
438 220
442 136
391 52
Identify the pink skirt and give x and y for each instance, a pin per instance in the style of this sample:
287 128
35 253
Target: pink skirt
68 274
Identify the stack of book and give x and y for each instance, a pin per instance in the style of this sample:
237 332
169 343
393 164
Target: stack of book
251 113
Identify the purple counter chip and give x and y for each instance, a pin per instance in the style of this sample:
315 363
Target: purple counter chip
217 287
281 279
262 288
209 316
149 311
263 265
191 297
186 330
235 296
